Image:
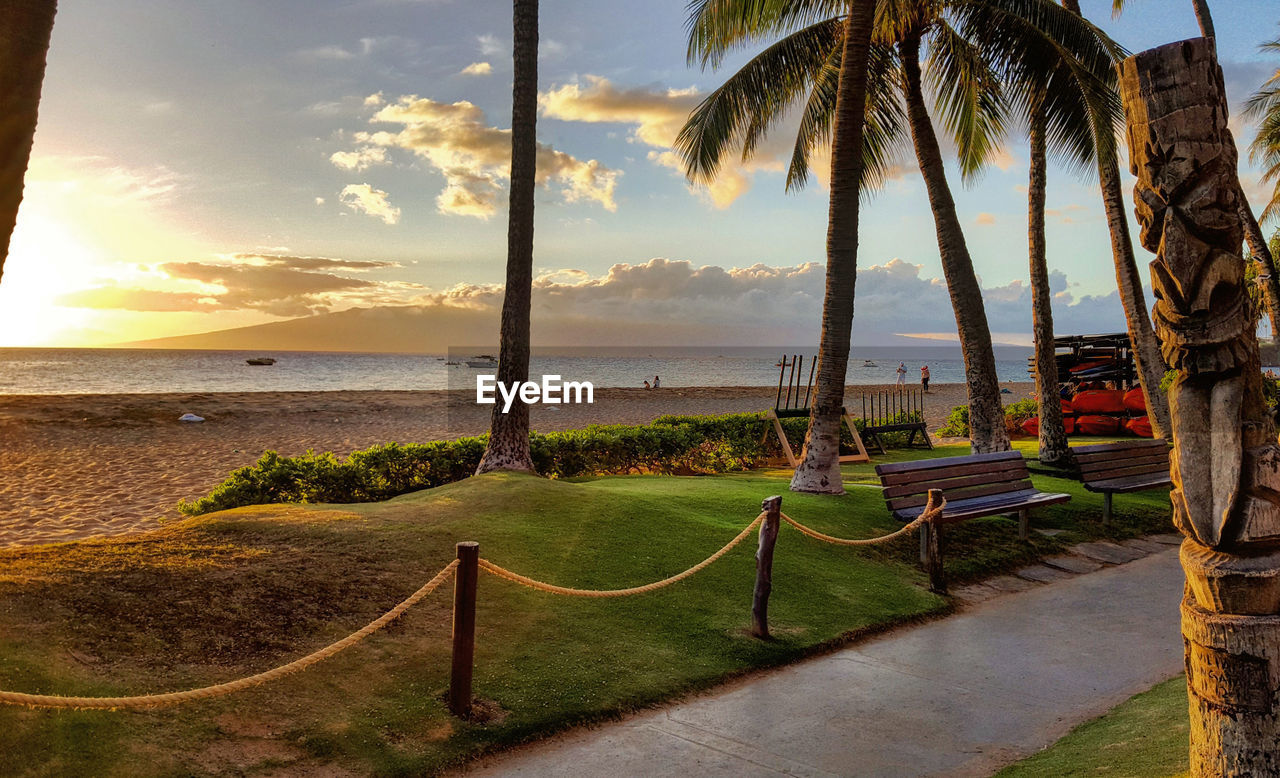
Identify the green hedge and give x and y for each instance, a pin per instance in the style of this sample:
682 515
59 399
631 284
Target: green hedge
686 445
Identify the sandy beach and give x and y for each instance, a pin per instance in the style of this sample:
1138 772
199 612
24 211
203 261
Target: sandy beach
75 466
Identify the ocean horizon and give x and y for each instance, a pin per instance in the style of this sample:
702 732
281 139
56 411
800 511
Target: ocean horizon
150 371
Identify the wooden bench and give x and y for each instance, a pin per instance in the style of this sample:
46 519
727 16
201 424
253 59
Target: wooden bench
1129 466
974 486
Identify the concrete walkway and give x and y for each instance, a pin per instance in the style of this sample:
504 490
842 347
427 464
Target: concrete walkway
964 695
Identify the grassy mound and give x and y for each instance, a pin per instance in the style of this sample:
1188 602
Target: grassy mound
220 596
1147 735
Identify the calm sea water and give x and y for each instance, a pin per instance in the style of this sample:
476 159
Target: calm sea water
87 371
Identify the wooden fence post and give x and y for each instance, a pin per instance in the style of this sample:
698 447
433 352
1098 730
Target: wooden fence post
464 628
772 507
932 536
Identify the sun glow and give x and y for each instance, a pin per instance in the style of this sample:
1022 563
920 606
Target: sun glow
83 224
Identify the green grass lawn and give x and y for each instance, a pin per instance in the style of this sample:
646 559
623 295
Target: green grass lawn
1144 736
216 597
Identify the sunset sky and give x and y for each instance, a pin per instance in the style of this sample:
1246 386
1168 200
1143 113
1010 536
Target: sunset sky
200 166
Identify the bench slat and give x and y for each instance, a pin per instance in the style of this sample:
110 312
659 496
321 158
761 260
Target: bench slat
1149 468
933 464
963 494
1122 446
971 509
1133 483
954 471
922 487
1088 466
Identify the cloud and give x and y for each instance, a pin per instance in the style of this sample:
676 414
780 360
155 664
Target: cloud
360 159
656 116
319 201
1068 214
893 297
549 49
113 297
477 69
363 198
474 157
490 45
278 285
331 53
985 219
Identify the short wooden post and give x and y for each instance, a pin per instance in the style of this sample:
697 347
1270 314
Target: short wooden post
772 507
1024 524
1106 508
931 540
464 628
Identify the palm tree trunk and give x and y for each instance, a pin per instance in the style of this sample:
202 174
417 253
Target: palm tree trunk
1204 18
25 29
1142 336
1053 433
1261 253
819 469
986 413
508 447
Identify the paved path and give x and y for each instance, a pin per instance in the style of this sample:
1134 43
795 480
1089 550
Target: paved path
964 695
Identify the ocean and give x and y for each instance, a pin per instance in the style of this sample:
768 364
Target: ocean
121 371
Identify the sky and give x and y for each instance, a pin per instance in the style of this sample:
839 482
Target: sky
200 166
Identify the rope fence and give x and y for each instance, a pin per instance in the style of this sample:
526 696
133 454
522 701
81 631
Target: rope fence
502 572
218 690
465 570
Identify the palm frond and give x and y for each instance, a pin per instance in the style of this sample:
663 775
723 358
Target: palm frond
751 101
718 27
970 99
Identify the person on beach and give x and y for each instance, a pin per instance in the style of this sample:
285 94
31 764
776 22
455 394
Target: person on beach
646 384
656 382
924 377
902 374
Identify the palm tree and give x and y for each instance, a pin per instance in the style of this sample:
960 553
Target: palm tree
1264 107
25 29
1078 110
844 45
508 447
971 46
1142 336
1257 242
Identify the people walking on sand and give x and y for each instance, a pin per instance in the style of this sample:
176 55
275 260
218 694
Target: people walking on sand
924 377
657 382
902 374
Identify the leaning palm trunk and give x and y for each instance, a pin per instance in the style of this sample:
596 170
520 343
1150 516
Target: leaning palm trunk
1053 433
25 29
819 470
1225 462
1258 247
986 413
1142 338
508 447
1261 254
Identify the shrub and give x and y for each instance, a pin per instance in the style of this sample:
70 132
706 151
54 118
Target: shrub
1018 412
684 445
957 424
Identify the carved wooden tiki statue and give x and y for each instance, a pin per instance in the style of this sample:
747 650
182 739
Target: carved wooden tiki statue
1226 464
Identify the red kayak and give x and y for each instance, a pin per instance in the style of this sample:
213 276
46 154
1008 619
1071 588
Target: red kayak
1098 425
1032 426
1099 401
1067 408
1135 401
1141 426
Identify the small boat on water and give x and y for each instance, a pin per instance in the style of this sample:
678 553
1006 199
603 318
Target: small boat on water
869 363
260 361
482 360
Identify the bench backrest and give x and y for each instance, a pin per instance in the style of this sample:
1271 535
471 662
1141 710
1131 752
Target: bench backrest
907 484
1106 461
